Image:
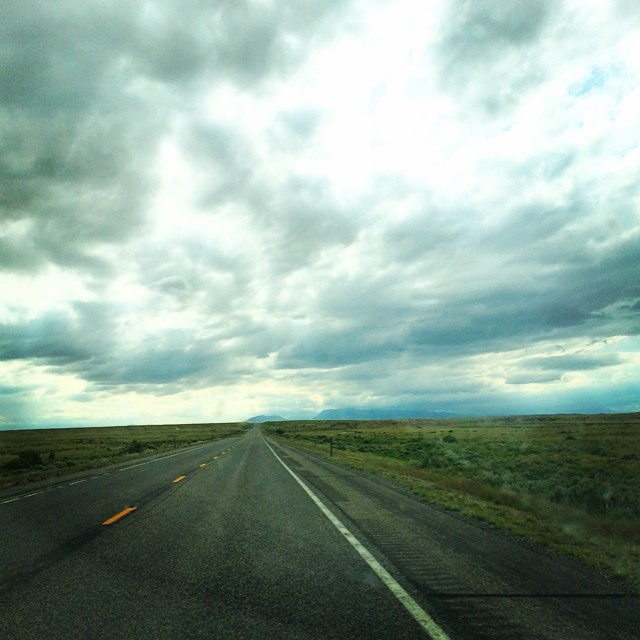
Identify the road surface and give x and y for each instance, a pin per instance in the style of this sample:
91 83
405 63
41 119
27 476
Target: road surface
243 538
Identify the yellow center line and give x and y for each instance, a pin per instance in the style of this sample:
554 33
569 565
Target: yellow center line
179 479
117 517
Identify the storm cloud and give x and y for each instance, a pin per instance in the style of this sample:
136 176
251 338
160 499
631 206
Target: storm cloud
217 209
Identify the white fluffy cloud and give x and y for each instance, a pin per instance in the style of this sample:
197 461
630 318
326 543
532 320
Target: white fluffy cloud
232 208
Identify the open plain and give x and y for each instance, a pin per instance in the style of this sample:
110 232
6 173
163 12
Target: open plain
249 537
571 482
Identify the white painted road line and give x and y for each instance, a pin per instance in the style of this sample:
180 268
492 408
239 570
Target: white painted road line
133 466
427 623
37 493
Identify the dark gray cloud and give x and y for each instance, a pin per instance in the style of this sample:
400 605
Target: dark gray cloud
328 348
487 50
71 338
540 370
304 223
476 29
241 41
229 194
571 362
534 377
75 142
88 342
172 359
295 216
85 92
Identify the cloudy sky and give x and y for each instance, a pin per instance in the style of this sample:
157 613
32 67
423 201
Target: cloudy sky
212 209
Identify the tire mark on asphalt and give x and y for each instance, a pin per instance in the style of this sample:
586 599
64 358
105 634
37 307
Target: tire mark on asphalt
433 630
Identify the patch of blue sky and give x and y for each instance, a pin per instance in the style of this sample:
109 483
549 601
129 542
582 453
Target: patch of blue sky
595 80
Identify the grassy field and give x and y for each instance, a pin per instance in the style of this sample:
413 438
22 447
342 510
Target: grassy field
568 481
40 454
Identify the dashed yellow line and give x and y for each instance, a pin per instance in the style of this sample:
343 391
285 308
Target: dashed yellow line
117 517
179 479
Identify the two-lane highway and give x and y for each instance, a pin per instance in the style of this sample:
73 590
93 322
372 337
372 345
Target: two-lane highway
37 525
476 582
234 550
248 539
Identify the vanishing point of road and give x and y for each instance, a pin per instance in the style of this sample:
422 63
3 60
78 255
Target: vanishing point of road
246 538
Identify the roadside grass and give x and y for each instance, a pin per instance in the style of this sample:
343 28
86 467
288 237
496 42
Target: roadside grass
571 482
40 454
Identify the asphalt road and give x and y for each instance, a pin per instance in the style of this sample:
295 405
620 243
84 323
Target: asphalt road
224 541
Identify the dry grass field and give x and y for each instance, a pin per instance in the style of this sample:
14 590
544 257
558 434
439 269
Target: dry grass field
569 481
39 454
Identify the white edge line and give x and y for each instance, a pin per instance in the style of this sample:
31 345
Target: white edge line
417 612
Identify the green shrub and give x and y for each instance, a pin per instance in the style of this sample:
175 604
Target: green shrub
134 447
597 450
27 459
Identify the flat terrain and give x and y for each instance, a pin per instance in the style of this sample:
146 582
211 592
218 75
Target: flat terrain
39 454
221 541
568 481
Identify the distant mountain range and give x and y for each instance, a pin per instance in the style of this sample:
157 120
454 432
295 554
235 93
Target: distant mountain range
258 419
351 413
380 414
